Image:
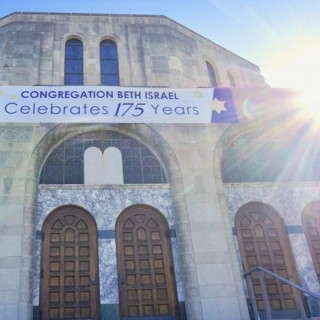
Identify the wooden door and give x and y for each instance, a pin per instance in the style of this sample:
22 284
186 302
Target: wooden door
311 227
145 269
69 266
263 241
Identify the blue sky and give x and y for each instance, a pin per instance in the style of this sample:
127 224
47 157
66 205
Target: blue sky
281 36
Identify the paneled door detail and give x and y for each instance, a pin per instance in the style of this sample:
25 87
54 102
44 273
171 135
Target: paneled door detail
311 227
69 267
263 241
145 269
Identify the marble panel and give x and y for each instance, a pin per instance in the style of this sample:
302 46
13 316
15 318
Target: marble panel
177 269
105 204
304 263
108 271
36 279
289 200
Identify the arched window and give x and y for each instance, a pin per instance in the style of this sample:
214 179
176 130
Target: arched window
272 155
258 158
109 63
123 159
232 82
73 71
212 75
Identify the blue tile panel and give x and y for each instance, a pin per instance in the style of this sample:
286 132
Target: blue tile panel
294 229
108 234
290 230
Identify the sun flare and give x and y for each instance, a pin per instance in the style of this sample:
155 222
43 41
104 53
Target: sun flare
297 66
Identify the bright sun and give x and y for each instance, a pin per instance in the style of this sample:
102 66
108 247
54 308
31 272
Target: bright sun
298 67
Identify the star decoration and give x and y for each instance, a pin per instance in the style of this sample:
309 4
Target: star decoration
185 101
218 105
197 94
1 93
13 96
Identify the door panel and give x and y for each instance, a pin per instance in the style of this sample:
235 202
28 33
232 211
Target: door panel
145 269
69 274
311 227
263 241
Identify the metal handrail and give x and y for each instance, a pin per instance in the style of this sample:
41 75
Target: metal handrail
260 269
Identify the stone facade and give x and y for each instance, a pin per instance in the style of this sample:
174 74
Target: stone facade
153 51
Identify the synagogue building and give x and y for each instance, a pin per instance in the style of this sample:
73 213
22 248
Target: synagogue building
144 170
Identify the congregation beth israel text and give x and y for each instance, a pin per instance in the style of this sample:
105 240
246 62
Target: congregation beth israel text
115 103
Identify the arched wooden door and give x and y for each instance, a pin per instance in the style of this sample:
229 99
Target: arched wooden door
69 266
311 228
145 269
263 241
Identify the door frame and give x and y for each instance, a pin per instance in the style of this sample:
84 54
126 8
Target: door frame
307 211
92 227
119 251
285 248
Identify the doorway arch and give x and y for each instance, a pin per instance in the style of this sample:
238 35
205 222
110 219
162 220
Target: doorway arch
263 241
145 267
158 144
69 284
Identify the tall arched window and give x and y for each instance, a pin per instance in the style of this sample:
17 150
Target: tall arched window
212 75
109 63
73 71
232 82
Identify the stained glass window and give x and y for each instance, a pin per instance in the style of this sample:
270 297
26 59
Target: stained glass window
65 165
53 170
109 63
151 169
132 170
256 159
73 168
73 72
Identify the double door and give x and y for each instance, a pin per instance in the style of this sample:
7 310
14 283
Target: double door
69 265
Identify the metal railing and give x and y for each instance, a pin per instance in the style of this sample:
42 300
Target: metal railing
268 314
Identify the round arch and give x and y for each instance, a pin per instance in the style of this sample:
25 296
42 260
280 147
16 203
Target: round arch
230 134
142 234
263 241
162 149
69 237
213 73
59 78
233 81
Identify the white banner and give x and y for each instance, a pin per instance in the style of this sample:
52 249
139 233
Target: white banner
101 104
